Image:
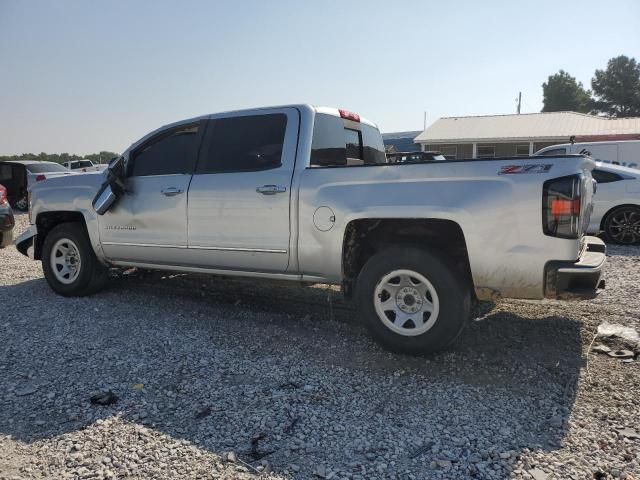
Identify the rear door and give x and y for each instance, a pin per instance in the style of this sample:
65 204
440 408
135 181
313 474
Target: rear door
149 223
239 196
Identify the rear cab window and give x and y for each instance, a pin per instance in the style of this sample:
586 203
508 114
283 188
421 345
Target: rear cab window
339 142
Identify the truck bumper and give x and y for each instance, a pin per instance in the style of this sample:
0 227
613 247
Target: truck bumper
25 243
579 280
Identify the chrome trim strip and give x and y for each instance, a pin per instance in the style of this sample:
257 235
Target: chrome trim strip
143 245
234 249
192 247
218 271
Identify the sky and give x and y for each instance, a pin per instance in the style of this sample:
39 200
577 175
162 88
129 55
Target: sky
81 76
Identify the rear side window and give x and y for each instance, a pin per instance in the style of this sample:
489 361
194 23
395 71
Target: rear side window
241 144
602 176
554 152
335 144
173 152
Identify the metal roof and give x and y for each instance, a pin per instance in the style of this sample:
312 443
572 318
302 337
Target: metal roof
526 126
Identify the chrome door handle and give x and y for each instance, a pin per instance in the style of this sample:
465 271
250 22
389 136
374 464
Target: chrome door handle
271 189
171 191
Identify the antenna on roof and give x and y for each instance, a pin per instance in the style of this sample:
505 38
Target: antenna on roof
519 101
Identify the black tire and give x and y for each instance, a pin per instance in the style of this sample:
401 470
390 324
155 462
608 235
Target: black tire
617 220
452 291
92 275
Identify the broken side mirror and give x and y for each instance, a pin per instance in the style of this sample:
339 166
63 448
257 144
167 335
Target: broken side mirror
104 199
113 187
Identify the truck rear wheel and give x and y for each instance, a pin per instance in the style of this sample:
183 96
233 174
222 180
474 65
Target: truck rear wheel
69 263
412 301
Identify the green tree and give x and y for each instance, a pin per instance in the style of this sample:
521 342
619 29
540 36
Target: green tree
103 156
617 89
562 92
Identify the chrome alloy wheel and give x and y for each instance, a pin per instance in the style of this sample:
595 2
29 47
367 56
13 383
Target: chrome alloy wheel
406 302
65 261
625 227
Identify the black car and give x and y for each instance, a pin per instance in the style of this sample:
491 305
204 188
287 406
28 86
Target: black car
6 219
18 175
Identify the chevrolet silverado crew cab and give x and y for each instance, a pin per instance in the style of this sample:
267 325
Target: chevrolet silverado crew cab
306 194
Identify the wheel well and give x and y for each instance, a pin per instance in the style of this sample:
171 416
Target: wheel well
45 222
604 217
363 238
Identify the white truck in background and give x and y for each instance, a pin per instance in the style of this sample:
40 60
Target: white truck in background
84 165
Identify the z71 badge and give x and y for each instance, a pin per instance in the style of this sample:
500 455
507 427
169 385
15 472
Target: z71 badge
517 169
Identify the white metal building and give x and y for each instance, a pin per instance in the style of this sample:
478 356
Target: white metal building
520 135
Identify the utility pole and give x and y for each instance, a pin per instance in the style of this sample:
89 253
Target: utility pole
519 101
425 121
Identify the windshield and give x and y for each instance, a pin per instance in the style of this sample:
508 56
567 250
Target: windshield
45 167
81 164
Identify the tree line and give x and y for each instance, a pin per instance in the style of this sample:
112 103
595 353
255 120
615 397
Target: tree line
615 91
100 157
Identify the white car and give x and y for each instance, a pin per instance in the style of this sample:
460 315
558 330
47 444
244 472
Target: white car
620 152
616 204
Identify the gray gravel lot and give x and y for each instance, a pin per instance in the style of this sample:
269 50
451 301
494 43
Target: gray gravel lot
214 373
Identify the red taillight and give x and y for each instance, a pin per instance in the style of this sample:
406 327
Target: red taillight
347 115
3 195
560 208
40 178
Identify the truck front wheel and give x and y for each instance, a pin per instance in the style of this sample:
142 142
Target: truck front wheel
411 300
69 263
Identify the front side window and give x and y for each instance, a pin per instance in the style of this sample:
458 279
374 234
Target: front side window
172 152
242 144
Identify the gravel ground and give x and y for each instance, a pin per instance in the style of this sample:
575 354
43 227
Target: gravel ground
222 378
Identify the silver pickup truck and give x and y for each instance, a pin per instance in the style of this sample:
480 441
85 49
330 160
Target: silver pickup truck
306 194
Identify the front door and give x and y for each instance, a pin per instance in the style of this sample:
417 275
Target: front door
239 196
148 224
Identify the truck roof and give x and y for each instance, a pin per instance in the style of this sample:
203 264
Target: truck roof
302 106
